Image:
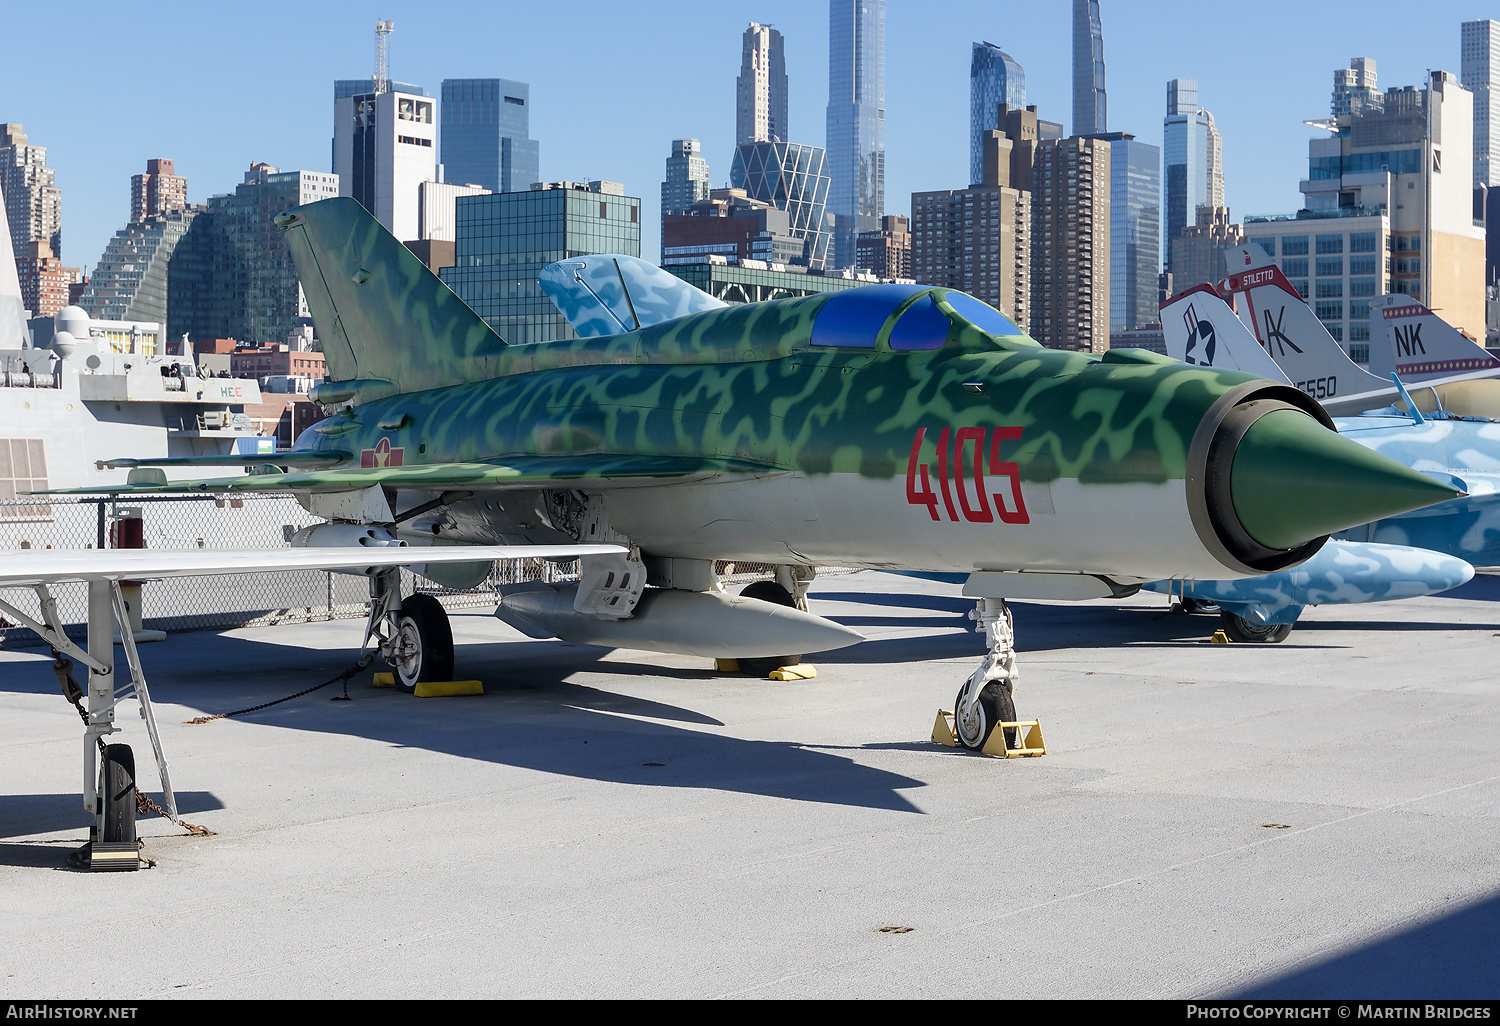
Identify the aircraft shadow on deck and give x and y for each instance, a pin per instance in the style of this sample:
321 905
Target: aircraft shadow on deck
1452 957
532 716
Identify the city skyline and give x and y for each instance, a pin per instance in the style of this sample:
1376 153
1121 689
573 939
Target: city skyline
94 151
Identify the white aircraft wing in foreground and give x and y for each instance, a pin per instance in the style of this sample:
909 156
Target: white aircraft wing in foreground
109 791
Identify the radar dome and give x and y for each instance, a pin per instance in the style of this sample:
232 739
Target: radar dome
64 342
74 320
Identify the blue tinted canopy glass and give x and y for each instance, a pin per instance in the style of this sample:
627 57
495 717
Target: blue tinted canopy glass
855 317
980 314
922 326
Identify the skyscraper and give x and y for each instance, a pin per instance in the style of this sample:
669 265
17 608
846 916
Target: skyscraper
486 134
1070 262
1090 107
384 148
994 78
856 121
1134 230
1479 71
790 177
157 191
33 204
760 92
687 179
1192 159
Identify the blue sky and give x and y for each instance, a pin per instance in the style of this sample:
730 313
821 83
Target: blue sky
217 87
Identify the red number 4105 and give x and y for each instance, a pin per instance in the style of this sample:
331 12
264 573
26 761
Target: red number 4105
960 461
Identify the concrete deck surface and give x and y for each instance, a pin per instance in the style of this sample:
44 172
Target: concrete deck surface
611 823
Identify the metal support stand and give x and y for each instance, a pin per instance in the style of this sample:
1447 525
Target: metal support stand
106 606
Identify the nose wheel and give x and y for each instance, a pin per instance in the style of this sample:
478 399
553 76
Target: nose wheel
986 697
974 722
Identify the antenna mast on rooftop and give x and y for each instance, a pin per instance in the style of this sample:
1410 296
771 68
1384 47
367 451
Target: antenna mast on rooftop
382 65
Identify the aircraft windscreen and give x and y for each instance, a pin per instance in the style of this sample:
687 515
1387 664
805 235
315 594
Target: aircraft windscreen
981 314
922 326
853 318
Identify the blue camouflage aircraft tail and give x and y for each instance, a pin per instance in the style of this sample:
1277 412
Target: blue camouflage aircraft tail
611 293
381 315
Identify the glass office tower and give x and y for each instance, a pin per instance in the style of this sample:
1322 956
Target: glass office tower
1185 158
790 177
856 121
1090 107
504 240
994 78
1134 231
486 134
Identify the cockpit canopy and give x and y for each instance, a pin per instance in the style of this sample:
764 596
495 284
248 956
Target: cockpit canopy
908 316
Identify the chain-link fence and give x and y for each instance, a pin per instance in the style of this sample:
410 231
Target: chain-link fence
236 600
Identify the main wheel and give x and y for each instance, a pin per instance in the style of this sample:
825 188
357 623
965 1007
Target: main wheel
1194 605
768 591
1240 629
995 705
118 794
424 643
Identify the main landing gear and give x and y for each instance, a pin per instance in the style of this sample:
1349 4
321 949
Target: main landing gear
1240 629
414 635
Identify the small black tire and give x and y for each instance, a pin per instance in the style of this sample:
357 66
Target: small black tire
768 591
1195 605
995 706
118 794
1240 629
426 639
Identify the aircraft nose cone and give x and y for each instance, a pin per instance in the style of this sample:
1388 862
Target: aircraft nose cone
1293 480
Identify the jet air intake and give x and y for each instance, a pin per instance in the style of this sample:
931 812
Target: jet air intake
1269 479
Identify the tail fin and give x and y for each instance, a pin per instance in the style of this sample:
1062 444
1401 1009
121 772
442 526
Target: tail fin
1420 345
379 312
1201 329
1285 325
606 295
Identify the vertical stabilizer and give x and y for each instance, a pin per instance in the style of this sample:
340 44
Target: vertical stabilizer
12 312
1419 345
610 294
1202 330
1287 329
379 312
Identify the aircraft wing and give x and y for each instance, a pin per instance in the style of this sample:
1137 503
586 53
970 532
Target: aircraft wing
603 470
54 566
303 458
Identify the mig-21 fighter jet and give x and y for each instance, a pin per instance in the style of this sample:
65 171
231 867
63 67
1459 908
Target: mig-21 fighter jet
885 426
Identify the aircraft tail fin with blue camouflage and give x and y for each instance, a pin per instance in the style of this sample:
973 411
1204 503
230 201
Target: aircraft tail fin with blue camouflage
386 322
609 294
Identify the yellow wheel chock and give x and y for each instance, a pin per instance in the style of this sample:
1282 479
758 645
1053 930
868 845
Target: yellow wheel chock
434 688
1031 746
1219 638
